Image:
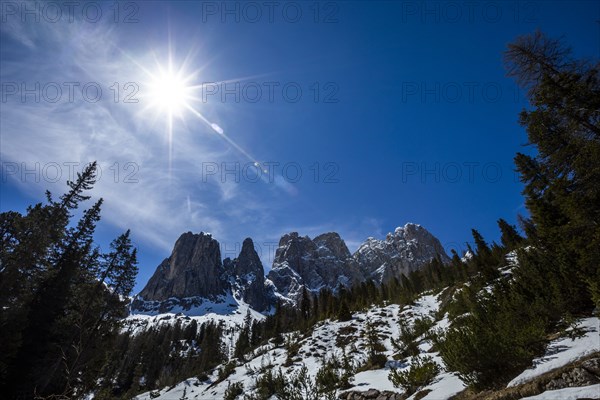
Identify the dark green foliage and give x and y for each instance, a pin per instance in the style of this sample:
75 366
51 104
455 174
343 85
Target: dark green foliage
243 344
301 387
561 180
292 346
558 263
328 377
510 238
60 296
344 313
270 384
481 246
348 370
406 344
375 358
226 371
333 375
421 373
161 356
233 391
297 386
496 341
305 304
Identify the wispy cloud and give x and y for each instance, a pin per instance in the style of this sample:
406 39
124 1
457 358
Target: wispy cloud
156 191
142 191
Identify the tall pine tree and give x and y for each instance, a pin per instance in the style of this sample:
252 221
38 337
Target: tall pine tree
561 178
61 297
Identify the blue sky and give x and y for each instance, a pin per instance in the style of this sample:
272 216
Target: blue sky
364 115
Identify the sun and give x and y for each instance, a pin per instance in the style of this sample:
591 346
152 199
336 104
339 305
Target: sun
169 91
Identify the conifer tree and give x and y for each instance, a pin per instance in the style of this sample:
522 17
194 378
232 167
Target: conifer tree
561 180
244 340
58 313
344 313
509 238
374 347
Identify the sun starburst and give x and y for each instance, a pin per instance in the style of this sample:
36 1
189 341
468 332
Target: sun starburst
169 90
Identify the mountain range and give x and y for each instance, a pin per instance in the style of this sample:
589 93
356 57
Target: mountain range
194 273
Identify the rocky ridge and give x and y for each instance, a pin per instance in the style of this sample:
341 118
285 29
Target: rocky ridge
194 272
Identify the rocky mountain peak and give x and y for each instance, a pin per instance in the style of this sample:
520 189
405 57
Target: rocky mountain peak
401 252
322 262
332 243
287 237
194 268
247 245
246 274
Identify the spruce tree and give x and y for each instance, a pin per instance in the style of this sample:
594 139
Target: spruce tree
58 317
376 359
509 238
344 313
561 178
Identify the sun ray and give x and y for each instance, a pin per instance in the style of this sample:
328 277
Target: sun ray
216 128
246 78
170 143
170 91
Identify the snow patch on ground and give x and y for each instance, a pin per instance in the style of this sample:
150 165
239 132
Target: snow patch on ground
572 393
563 351
375 379
446 385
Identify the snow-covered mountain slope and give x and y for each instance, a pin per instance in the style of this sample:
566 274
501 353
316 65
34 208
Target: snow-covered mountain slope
327 339
226 310
349 341
332 339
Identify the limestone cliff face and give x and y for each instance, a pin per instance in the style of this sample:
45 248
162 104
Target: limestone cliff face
326 262
322 262
247 277
193 269
405 250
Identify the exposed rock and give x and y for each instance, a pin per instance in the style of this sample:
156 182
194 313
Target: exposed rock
246 275
371 394
592 365
578 376
570 375
194 269
406 250
324 261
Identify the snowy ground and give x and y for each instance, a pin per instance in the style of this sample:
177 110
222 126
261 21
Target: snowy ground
322 344
229 312
573 393
563 351
325 339
227 308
